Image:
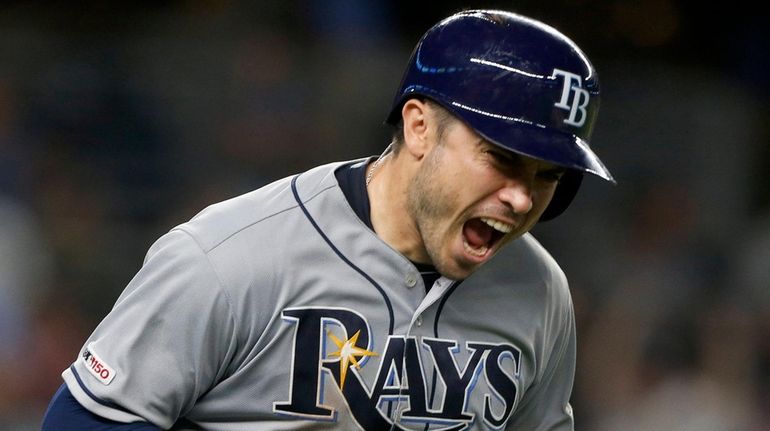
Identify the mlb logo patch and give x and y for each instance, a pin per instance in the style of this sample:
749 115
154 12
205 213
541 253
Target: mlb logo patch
96 366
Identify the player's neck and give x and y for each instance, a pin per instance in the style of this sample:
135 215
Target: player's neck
388 207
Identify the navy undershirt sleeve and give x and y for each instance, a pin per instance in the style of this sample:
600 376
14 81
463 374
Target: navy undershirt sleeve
66 414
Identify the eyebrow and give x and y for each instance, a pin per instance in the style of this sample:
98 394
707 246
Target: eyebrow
509 154
555 168
515 157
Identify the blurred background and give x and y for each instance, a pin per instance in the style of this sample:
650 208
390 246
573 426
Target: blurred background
119 121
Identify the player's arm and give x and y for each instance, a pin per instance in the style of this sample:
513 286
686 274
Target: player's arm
66 414
167 340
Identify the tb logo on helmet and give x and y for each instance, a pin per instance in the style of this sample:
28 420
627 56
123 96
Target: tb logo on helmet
576 105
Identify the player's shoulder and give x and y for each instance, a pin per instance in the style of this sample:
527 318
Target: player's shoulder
548 268
276 202
526 263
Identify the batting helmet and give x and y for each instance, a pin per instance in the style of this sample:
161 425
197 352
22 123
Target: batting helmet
518 83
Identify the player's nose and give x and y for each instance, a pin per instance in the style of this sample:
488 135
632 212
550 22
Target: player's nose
517 193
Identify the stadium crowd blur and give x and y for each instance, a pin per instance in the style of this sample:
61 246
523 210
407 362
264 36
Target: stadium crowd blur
119 122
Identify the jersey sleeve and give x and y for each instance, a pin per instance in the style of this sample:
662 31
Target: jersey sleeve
64 413
167 340
545 407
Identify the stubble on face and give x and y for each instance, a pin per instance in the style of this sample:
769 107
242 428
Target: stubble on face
430 204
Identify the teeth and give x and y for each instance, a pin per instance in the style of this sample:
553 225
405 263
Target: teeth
480 252
498 225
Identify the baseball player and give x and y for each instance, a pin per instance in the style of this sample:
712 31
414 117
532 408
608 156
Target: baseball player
402 292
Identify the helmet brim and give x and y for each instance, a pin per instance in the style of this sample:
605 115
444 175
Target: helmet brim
519 136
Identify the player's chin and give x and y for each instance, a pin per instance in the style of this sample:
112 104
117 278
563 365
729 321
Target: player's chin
456 271
464 262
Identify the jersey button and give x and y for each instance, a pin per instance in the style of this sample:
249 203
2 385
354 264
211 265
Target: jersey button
411 280
418 321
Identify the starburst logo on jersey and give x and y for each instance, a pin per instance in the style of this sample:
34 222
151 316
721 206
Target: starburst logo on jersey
428 382
348 353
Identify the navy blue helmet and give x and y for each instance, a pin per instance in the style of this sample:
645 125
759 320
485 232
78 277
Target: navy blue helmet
518 83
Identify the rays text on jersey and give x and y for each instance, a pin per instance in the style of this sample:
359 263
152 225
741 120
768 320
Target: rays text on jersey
417 380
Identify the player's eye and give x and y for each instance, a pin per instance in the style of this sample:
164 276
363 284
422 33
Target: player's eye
552 175
500 157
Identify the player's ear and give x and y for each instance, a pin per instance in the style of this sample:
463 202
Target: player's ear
415 116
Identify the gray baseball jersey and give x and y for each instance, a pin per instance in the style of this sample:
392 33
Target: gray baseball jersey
281 310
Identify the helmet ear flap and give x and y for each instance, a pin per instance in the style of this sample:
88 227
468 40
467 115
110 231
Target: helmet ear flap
564 194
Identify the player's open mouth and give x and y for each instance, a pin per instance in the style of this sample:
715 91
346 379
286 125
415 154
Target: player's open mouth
481 234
